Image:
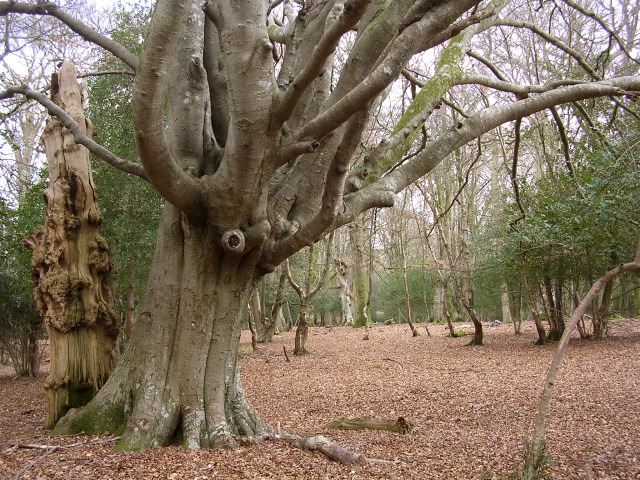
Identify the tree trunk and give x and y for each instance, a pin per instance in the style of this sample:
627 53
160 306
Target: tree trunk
407 300
359 275
542 335
302 330
600 323
515 308
346 303
504 301
438 299
178 382
445 312
276 317
554 327
71 265
130 314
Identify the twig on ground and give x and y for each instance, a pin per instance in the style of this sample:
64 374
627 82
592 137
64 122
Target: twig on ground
395 361
284 349
50 449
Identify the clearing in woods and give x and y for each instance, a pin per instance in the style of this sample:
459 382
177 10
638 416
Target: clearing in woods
472 409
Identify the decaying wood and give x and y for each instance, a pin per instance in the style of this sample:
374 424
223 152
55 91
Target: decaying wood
399 426
70 264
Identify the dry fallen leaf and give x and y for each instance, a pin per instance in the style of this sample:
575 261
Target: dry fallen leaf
471 407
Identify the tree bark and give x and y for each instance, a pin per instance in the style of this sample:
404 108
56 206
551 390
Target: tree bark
178 382
542 335
359 275
71 264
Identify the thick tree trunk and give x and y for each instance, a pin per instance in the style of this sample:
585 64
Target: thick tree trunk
178 381
130 314
71 265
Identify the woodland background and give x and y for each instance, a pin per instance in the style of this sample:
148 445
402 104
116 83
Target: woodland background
551 201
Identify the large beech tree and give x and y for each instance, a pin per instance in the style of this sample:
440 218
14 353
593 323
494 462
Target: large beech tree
249 119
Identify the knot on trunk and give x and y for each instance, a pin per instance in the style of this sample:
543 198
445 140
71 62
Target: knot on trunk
233 241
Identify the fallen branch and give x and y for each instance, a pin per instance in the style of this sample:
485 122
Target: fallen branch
50 449
284 349
395 361
399 426
326 447
319 444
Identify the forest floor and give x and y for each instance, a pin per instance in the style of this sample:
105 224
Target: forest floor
472 409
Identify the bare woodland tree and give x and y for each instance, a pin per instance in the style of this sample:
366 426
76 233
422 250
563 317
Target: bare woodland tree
248 124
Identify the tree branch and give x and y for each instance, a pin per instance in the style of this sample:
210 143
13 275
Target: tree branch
489 118
78 135
535 449
603 24
86 32
563 138
149 93
351 14
553 41
403 48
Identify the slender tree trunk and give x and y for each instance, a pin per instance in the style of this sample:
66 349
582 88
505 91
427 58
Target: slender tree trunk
445 312
515 308
600 323
359 275
184 342
554 327
302 330
542 335
256 314
438 298
71 265
276 317
504 302
407 300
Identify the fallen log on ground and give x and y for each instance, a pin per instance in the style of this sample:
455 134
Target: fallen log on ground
399 426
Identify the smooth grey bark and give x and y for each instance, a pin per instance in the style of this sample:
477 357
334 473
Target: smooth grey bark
253 162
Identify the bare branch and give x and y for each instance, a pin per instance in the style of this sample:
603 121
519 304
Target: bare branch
563 138
603 24
553 41
471 128
353 11
86 32
78 135
409 42
514 88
